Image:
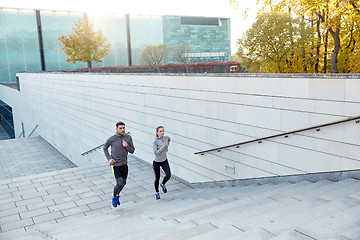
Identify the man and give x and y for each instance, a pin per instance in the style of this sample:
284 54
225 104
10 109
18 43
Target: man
121 144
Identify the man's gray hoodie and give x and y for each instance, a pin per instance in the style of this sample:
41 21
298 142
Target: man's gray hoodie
118 151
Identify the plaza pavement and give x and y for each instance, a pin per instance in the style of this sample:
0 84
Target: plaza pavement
71 202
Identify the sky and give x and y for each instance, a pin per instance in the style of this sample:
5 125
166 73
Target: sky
208 8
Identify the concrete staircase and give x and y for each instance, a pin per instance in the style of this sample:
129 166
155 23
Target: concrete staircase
75 203
303 210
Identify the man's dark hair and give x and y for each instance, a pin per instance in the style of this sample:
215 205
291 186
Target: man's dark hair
119 123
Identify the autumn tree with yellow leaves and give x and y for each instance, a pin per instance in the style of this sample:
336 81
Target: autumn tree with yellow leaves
84 44
334 45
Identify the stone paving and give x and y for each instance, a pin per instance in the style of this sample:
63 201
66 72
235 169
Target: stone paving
28 156
32 192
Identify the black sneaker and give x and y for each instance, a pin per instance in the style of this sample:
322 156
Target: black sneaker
157 195
163 188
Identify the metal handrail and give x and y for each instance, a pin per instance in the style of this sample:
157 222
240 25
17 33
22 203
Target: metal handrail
33 130
95 148
259 140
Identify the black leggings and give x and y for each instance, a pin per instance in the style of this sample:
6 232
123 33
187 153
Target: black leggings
165 166
120 174
120 183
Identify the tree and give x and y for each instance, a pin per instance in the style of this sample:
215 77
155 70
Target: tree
154 55
181 54
84 44
331 14
270 38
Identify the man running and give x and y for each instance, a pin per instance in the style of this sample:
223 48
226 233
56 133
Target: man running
121 144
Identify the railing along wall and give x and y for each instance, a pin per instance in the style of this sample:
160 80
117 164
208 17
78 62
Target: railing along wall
92 150
259 140
33 130
22 134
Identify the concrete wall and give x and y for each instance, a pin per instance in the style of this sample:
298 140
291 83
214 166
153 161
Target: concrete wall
76 112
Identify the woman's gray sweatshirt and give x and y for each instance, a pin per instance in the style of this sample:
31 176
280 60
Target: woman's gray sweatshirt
159 150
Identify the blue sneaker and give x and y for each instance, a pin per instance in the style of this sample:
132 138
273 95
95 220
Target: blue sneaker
163 188
114 202
157 195
118 200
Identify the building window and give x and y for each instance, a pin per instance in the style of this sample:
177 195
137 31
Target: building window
199 21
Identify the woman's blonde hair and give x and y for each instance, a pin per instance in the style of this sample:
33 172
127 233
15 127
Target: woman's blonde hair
157 129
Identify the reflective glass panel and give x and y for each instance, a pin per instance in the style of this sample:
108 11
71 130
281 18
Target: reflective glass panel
113 26
54 24
19 45
144 31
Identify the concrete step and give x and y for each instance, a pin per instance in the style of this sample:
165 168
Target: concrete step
291 234
235 192
256 218
271 189
189 233
190 211
76 223
161 208
174 207
20 234
108 229
229 209
228 232
350 186
287 209
223 211
219 192
299 188
339 222
89 223
313 214
276 214
255 233
353 233
232 233
158 231
338 238
242 213
325 186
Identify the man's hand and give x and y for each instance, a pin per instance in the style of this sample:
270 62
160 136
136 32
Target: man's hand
111 161
124 143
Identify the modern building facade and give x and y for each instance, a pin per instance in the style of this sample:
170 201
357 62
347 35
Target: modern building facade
29 38
207 38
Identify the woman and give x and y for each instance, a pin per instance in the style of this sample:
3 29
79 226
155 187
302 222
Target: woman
160 147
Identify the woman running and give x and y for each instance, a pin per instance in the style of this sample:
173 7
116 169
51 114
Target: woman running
160 147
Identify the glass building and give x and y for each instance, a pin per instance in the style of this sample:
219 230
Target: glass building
29 38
